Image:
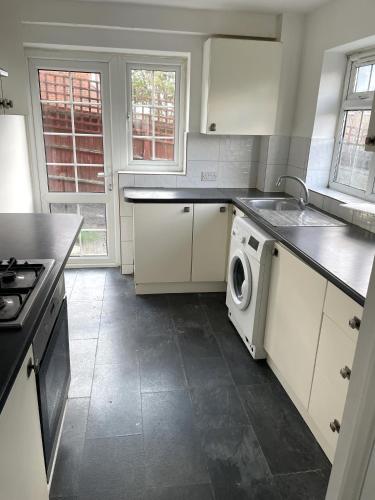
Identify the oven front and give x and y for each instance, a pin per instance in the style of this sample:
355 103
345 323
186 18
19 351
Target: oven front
53 379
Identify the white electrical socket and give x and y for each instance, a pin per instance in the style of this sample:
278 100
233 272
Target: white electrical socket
208 176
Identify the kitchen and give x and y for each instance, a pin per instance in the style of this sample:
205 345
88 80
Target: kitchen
187 249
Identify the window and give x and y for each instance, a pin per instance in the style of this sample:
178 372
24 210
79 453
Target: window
155 130
71 110
353 168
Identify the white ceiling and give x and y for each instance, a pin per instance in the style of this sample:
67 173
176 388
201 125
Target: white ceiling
276 6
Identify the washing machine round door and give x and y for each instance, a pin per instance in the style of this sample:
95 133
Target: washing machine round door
240 280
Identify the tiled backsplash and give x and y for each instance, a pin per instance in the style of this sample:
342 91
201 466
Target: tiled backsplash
226 161
252 161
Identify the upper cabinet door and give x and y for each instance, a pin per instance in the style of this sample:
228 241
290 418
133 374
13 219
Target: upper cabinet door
370 139
240 86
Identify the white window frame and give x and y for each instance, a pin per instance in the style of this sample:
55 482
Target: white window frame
178 165
353 101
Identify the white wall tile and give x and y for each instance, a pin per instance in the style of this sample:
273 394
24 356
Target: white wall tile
278 150
234 174
335 207
126 208
316 199
203 147
239 148
261 177
126 226
155 180
126 180
193 177
126 252
273 172
299 151
263 149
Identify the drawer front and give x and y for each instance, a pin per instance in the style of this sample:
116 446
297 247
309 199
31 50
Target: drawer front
330 383
342 309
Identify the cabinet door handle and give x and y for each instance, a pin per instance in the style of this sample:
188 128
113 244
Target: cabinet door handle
186 209
212 127
370 140
30 367
223 209
335 426
275 252
355 323
345 372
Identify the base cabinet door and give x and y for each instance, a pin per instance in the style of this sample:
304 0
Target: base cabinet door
210 241
163 242
22 471
295 305
331 381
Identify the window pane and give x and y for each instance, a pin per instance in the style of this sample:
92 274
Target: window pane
58 148
165 87
164 149
88 180
54 85
89 150
354 162
88 119
164 122
56 117
142 124
363 78
142 149
372 81
141 81
86 87
61 178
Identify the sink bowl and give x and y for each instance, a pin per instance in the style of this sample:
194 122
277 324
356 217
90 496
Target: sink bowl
287 212
279 204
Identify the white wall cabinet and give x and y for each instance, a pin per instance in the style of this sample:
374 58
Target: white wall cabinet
295 307
240 86
163 242
210 242
22 471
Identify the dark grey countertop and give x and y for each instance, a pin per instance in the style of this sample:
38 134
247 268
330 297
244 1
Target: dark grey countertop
344 255
32 236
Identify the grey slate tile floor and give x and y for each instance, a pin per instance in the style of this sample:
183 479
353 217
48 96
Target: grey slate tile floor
166 404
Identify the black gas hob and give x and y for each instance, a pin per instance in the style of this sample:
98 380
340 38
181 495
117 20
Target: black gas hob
20 283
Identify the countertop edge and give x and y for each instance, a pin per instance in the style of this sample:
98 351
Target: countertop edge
8 385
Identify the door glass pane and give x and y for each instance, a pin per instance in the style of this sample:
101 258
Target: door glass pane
71 106
92 239
57 117
354 162
61 178
59 148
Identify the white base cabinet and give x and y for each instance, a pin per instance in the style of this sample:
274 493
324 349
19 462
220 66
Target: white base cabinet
22 471
295 307
180 247
163 242
210 242
310 338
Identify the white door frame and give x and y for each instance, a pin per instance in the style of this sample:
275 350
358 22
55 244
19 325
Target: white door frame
71 63
357 433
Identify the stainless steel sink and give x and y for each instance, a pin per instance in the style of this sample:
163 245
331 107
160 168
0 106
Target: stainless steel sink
288 212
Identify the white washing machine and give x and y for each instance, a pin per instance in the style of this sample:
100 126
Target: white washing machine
248 280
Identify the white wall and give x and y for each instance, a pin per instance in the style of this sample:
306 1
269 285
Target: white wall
335 24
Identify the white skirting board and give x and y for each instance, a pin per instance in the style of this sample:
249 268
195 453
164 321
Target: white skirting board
303 412
188 287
